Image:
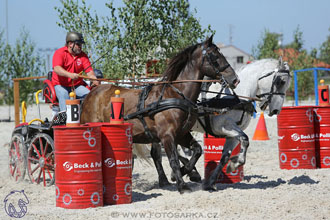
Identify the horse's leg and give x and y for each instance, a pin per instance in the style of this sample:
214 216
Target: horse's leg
194 176
209 184
172 154
234 134
189 141
239 160
157 158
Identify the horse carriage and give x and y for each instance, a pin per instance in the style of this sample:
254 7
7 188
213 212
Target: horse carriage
32 145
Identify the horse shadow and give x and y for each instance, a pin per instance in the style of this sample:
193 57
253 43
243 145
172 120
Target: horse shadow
297 180
145 185
140 197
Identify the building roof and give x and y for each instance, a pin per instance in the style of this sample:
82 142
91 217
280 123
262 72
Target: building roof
289 53
220 45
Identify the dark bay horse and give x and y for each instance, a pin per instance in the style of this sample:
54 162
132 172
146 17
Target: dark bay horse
176 102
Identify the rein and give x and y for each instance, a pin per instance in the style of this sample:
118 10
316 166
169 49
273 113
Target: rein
239 96
144 83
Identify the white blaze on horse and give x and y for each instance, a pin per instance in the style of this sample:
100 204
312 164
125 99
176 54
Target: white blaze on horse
267 79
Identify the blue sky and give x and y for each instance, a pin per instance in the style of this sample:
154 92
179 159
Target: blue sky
248 20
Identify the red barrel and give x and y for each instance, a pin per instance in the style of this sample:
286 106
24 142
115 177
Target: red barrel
212 153
78 162
117 162
322 136
296 138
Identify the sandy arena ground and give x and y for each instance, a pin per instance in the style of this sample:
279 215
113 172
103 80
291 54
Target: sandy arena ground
267 192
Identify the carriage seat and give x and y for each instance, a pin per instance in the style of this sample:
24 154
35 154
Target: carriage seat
49 90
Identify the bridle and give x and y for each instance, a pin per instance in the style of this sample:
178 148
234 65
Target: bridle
272 92
212 59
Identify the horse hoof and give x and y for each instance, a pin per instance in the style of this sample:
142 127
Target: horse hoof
209 187
194 176
173 179
184 189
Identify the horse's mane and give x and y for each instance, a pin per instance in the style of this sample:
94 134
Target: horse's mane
177 63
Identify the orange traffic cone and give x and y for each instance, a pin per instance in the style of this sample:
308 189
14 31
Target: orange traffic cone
261 133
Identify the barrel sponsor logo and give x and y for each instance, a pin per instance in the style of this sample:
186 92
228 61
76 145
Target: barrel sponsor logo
109 162
121 164
322 137
302 138
67 166
80 167
326 135
213 147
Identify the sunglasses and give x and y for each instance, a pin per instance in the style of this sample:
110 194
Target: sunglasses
79 43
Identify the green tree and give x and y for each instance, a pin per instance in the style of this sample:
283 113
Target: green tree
298 42
299 58
21 60
299 61
139 31
325 50
267 45
294 54
2 67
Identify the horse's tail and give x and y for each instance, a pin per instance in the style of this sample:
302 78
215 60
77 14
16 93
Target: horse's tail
142 151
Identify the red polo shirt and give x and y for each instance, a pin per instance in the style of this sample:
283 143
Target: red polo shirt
63 58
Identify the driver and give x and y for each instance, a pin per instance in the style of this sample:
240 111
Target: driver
68 62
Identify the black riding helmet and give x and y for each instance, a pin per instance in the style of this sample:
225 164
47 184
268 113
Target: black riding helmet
75 37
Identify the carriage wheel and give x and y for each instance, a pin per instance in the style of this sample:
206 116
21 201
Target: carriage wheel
40 160
17 155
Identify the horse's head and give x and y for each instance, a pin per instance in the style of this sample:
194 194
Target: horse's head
278 81
215 65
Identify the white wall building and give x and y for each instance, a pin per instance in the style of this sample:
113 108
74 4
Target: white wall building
236 57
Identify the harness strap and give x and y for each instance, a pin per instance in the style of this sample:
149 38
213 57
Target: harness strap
181 94
140 109
162 93
266 75
270 93
166 104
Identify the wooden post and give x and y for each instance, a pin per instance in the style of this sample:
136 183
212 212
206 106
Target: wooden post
16 101
16 94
